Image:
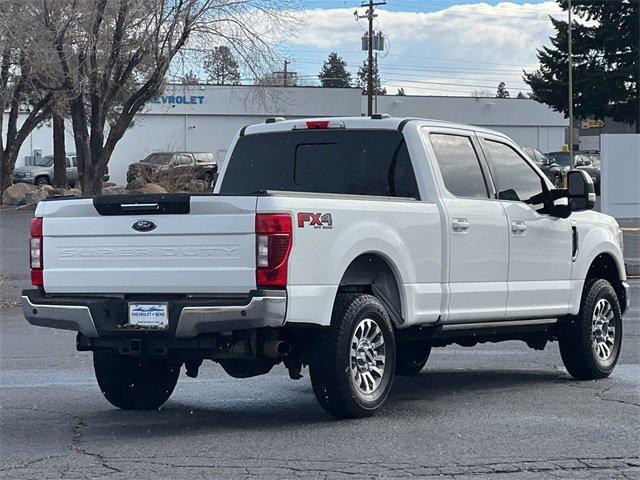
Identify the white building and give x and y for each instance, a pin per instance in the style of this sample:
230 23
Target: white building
205 118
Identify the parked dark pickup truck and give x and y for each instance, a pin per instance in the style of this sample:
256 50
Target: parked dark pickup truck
547 165
583 161
200 165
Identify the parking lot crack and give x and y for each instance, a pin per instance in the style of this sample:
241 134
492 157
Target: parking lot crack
78 448
258 467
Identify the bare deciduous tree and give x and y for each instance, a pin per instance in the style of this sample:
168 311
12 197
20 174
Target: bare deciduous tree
18 92
109 57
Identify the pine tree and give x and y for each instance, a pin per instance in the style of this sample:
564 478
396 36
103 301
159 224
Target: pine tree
334 72
221 67
401 92
502 91
606 62
363 73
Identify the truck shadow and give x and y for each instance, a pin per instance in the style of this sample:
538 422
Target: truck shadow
285 407
442 386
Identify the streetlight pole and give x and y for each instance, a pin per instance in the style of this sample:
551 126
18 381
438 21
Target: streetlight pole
570 51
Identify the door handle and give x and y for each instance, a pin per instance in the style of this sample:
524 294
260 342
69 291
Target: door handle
460 225
518 227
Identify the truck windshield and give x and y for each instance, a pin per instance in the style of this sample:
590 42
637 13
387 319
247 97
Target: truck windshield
358 162
44 161
562 159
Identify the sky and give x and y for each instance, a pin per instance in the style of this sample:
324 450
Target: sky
435 47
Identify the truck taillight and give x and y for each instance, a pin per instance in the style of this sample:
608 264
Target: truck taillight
35 252
274 237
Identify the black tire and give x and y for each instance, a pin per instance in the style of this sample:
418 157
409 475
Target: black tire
135 383
411 357
557 180
331 365
42 180
577 336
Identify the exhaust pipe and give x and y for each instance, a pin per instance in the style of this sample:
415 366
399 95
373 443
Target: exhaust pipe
276 348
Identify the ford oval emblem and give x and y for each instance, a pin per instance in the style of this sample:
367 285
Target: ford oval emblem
144 225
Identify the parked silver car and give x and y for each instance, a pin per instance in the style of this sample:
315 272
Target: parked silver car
41 172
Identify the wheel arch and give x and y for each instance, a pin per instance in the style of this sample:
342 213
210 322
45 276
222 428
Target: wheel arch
605 265
375 273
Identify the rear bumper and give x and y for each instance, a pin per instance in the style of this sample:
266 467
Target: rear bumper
188 318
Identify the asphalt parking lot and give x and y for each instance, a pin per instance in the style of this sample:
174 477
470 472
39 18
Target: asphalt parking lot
497 410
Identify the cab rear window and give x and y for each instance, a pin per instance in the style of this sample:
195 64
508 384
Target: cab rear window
356 162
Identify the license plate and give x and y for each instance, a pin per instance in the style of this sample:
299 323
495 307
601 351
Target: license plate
149 315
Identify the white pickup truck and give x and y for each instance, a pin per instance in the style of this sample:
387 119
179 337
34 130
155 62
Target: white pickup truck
349 245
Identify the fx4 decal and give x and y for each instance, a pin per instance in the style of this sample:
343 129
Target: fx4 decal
315 220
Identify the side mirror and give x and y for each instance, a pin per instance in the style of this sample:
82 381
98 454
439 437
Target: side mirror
580 191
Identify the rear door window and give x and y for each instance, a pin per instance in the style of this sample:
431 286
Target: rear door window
357 162
459 165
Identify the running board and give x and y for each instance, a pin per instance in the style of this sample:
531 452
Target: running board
499 324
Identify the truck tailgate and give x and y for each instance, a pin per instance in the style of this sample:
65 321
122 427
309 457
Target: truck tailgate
191 244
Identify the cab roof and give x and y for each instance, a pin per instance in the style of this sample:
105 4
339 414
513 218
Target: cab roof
383 122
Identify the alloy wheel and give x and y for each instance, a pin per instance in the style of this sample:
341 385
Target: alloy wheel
603 330
368 356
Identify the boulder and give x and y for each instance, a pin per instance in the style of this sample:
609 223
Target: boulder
115 190
196 186
56 192
150 188
23 194
136 184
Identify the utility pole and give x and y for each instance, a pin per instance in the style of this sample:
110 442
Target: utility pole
284 77
370 15
376 104
570 51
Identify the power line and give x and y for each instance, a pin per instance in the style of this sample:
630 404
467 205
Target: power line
420 57
426 82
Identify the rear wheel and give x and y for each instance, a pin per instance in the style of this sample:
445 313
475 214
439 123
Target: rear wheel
352 369
135 383
411 358
590 342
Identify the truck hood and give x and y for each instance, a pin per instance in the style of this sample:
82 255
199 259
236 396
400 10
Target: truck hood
30 168
590 218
